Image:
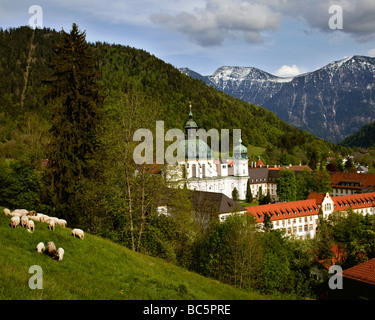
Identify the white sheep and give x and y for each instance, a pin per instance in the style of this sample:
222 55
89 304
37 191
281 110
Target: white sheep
43 217
30 225
19 212
60 254
36 217
24 220
51 225
6 212
51 249
14 221
40 247
61 222
78 232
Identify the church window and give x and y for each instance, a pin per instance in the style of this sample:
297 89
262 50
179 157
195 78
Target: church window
194 171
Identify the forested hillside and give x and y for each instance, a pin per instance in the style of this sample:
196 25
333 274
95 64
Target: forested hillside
25 57
364 138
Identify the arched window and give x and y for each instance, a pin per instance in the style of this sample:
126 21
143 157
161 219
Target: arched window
194 171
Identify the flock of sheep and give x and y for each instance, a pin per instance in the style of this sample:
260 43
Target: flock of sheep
25 218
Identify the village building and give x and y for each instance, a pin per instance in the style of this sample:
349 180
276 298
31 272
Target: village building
300 218
344 183
358 283
264 178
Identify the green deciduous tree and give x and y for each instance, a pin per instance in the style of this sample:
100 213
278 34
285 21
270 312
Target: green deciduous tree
286 185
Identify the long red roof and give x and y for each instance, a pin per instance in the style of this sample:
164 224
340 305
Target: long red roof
365 180
283 210
356 201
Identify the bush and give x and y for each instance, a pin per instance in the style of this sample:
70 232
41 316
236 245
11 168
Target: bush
19 185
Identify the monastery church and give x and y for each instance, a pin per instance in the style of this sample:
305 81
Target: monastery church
201 172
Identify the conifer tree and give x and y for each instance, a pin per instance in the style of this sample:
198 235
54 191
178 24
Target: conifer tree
249 195
73 90
235 194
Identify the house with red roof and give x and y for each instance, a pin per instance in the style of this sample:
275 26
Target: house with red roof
345 183
300 218
263 177
358 282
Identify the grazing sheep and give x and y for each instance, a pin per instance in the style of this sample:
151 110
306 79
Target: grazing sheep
61 222
14 221
78 232
43 217
51 225
31 213
40 247
60 254
24 220
30 225
19 212
51 249
6 212
36 217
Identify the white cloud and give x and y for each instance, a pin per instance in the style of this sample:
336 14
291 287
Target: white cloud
288 71
221 19
358 16
371 52
212 21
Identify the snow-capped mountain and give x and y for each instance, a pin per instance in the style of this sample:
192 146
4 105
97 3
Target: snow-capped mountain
331 102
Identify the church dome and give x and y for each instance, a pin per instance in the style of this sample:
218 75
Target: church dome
240 151
196 149
190 124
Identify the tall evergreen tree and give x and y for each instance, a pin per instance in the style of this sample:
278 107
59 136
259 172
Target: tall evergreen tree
249 195
235 194
74 92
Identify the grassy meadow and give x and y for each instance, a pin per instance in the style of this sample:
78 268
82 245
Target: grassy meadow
96 268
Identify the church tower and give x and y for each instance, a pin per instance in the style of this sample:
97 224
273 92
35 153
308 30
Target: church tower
240 160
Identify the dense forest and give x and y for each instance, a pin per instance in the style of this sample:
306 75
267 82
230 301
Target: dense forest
364 138
68 111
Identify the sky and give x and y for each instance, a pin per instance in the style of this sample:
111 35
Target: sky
282 37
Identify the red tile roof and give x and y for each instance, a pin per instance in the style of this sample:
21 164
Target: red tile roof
294 168
283 210
260 164
319 197
356 201
365 180
364 272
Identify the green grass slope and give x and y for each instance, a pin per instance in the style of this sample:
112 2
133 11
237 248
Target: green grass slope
96 268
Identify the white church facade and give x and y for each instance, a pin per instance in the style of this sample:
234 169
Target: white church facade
200 171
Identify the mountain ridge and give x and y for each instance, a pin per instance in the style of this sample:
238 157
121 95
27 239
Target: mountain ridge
329 102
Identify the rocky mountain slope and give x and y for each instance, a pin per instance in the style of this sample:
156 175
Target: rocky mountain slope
331 102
